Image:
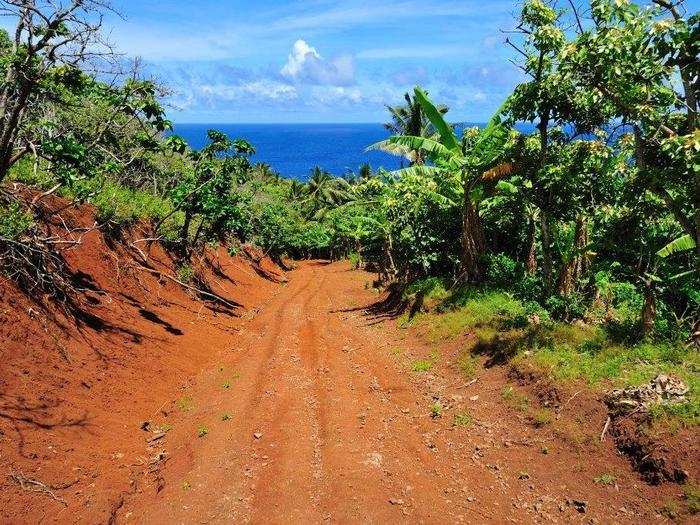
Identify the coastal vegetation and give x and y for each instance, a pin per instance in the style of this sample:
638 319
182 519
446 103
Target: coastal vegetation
578 242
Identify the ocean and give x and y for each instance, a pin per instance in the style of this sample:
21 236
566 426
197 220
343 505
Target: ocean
294 149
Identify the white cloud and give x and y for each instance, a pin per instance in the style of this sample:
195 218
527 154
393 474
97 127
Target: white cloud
305 65
268 90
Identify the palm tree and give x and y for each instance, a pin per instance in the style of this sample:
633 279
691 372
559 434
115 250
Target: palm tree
411 120
325 192
264 172
297 190
473 158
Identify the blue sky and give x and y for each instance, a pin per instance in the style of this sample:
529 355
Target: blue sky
317 60
320 60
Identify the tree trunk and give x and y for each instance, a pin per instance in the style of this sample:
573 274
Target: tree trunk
574 267
697 221
531 259
546 251
185 231
473 242
649 309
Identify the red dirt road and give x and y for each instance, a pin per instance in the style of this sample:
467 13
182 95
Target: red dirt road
311 414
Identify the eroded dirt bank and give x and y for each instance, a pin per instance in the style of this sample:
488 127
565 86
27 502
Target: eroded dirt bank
76 386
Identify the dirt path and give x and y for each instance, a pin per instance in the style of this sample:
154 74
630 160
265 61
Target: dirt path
311 416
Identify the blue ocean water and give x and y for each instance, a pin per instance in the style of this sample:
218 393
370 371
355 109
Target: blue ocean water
294 149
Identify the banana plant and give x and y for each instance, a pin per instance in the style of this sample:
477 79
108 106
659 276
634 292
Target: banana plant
681 244
468 159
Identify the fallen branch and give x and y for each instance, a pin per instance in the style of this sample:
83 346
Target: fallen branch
33 485
212 296
605 429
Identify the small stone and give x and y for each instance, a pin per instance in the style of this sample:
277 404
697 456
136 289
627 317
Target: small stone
257 435
395 501
579 505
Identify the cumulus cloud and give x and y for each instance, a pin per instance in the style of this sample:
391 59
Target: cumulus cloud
306 66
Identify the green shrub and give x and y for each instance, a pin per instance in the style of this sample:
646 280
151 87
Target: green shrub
567 307
14 221
355 259
502 271
185 273
121 206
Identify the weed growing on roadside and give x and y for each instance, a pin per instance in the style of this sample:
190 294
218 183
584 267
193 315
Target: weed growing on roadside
691 492
186 485
225 417
185 403
605 479
226 385
468 364
462 420
542 417
165 427
202 431
421 365
436 410
670 509
515 399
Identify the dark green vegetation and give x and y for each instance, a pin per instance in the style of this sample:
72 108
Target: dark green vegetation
579 241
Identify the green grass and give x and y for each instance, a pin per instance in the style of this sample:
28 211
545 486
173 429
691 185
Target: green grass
515 399
606 363
121 205
436 409
185 403
467 311
468 364
185 273
691 493
202 431
422 365
542 417
462 420
605 479
566 352
225 417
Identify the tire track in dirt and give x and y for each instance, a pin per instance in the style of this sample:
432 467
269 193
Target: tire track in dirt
329 426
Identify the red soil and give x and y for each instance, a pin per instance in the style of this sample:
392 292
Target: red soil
298 408
73 394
